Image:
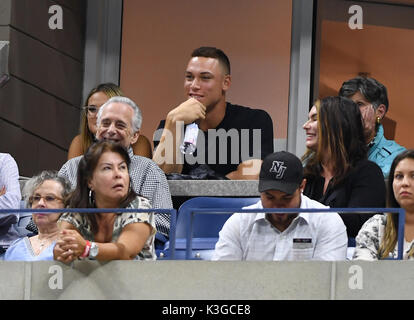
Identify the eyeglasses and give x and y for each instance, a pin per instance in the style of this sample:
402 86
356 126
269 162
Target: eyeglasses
91 111
366 105
48 199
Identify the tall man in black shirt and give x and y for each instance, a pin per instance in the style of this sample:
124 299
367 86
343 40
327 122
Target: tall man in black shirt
232 139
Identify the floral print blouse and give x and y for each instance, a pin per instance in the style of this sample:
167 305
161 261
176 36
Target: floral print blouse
122 219
369 240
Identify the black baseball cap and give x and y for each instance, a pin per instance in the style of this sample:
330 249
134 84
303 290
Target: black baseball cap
281 171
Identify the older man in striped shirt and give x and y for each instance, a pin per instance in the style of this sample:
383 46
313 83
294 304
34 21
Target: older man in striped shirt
119 119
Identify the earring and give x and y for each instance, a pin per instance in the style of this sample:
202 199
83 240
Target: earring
91 198
378 120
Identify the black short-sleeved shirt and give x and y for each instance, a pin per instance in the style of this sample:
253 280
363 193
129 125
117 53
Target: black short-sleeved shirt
238 125
364 187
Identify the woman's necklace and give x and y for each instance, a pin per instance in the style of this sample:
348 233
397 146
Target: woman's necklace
46 241
42 243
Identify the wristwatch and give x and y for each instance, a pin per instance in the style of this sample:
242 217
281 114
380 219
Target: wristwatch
93 251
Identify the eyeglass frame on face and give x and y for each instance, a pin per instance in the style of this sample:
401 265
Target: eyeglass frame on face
52 198
90 113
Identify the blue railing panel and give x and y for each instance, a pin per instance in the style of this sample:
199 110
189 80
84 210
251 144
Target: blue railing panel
191 213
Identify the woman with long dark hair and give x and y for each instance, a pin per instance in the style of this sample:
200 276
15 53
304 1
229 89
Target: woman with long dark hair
377 239
336 168
103 181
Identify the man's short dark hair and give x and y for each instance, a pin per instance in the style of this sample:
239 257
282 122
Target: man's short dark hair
212 52
374 91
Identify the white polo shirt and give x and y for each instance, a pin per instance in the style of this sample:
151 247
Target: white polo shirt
310 236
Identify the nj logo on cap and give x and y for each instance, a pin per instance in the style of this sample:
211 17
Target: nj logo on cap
278 168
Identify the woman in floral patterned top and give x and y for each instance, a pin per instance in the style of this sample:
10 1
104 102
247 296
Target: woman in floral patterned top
377 238
104 182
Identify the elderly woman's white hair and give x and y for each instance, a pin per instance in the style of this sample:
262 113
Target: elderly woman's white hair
34 182
136 120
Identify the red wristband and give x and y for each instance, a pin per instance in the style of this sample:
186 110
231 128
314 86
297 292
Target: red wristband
86 251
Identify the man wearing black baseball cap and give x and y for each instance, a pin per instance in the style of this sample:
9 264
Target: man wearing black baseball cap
287 236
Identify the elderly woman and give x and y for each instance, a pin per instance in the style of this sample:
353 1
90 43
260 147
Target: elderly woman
96 98
104 182
337 171
378 237
44 191
371 97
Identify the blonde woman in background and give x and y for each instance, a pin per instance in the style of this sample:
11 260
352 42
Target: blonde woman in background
96 98
377 239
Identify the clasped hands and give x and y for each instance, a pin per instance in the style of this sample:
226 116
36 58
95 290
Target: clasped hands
69 246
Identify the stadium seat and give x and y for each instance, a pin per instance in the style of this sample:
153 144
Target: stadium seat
24 219
351 248
206 227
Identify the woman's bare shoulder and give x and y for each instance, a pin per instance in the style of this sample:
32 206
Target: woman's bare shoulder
143 147
75 148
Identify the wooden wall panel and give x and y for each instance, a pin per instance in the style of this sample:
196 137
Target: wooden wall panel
38 112
75 5
32 17
20 145
5 10
12 102
39 106
31 153
4 33
46 68
49 156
